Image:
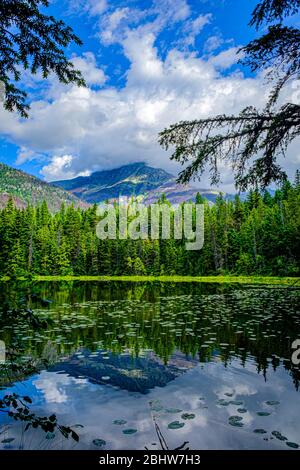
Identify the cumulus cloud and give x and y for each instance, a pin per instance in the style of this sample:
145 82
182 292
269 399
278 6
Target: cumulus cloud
60 167
194 27
87 65
96 7
92 7
116 23
85 129
227 58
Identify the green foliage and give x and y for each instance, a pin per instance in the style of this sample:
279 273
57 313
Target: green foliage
17 408
258 236
34 41
253 140
25 188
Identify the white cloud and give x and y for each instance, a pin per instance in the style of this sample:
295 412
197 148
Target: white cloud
25 154
117 23
58 168
92 7
108 127
213 43
227 58
111 24
88 66
194 27
172 11
55 387
97 7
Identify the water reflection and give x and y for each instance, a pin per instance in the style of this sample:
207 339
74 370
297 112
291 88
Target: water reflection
172 345
200 321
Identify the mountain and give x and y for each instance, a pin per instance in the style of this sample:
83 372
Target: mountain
176 193
132 180
26 188
128 180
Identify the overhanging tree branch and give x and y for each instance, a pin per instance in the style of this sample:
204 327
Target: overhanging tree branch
252 141
241 139
34 41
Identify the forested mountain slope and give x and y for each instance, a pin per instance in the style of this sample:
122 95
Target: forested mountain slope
25 188
258 236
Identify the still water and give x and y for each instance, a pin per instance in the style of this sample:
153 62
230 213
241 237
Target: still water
125 363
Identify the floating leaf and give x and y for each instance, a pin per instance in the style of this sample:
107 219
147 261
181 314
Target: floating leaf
272 402
175 425
260 431
173 410
223 402
242 410
129 431
263 413
188 416
292 444
8 440
279 436
235 421
119 422
99 442
156 405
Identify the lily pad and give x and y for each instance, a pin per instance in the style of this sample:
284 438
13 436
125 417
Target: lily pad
173 410
236 402
272 402
293 445
175 425
156 405
119 422
242 410
99 442
8 440
129 431
279 436
188 416
260 431
235 421
223 402
263 413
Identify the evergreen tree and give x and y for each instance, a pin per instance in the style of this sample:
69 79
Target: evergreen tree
258 236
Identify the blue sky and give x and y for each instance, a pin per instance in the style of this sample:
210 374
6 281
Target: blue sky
147 64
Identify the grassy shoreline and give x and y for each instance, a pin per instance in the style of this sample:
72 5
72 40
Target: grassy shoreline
274 280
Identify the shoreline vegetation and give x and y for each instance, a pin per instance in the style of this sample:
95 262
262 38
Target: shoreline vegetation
253 238
272 280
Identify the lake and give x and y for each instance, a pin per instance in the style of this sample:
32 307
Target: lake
128 365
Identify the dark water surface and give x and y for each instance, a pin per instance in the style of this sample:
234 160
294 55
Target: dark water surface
210 364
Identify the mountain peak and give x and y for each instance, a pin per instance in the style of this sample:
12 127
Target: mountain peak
127 180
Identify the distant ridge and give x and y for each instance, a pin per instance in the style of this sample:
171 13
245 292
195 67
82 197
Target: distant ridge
135 179
25 188
128 180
